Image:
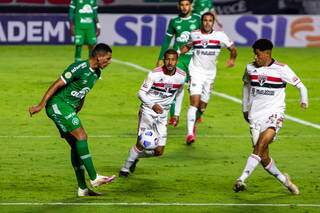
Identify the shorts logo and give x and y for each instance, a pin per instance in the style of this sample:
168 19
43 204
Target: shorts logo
75 121
68 75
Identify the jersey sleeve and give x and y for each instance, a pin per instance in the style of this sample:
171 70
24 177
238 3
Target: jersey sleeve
70 73
147 83
225 40
246 77
95 10
289 76
72 8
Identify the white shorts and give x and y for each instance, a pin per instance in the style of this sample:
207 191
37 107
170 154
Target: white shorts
274 120
201 86
156 122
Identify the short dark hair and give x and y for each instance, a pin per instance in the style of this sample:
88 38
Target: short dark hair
262 44
170 51
101 48
185 0
207 14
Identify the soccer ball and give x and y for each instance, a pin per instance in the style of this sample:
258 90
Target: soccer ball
148 139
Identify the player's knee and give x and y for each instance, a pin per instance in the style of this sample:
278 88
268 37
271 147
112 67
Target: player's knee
158 151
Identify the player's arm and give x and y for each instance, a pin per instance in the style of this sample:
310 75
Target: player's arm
59 83
96 20
166 43
72 9
185 48
245 95
144 98
233 55
290 77
177 109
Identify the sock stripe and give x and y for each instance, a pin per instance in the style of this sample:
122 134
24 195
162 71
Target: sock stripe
83 157
269 165
255 157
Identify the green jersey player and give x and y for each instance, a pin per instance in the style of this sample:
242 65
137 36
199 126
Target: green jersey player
63 100
180 28
84 24
202 6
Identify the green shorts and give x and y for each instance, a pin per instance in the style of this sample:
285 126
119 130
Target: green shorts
85 36
183 63
64 116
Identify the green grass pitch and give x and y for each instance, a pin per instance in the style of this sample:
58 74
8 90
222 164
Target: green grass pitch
35 162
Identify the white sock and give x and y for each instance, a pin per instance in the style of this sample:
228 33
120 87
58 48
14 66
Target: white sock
133 155
146 153
252 163
272 169
191 118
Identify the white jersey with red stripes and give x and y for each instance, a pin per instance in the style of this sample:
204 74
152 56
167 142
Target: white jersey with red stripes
161 88
206 49
267 88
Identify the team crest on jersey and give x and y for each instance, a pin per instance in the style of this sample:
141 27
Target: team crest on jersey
262 79
178 27
67 75
204 43
168 87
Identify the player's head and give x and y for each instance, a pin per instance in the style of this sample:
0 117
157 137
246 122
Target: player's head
102 53
185 7
170 59
262 49
207 21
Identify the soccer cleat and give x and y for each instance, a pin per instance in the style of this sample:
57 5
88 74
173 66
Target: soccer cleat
199 120
239 186
132 168
123 174
190 139
100 180
291 187
87 192
173 122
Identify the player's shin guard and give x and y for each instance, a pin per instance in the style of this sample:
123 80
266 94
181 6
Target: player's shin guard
78 169
85 156
273 170
133 155
77 54
191 118
252 163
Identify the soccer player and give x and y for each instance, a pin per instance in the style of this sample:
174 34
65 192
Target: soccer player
263 107
157 93
63 100
202 6
180 28
207 44
84 24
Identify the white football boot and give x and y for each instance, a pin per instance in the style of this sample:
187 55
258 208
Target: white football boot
87 192
100 180
291 187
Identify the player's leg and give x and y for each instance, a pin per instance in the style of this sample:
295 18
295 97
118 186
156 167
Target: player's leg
91 39
78 40
191 117
205 97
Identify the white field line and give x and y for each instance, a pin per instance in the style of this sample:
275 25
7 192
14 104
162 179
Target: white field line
171 136
223 95
162 204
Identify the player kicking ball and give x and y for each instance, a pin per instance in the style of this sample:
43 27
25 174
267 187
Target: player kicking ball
63 100
206 44
263 108
158 91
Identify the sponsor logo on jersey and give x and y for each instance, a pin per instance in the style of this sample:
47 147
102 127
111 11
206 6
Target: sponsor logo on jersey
86 9
67 75
184 37
81 93
82 65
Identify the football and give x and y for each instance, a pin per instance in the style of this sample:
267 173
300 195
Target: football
149 139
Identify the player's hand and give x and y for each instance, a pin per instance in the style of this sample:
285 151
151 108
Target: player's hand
35 109
71 28
174 121
160 63
98 31
230 63
157 108
246 116
304 106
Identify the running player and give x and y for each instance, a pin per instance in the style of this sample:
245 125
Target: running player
263 108
63 100
157 93
207 44
180 28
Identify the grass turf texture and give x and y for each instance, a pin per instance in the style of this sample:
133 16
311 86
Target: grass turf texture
38 169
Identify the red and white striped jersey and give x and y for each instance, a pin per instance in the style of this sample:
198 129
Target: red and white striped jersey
267 87
162 89
206 49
